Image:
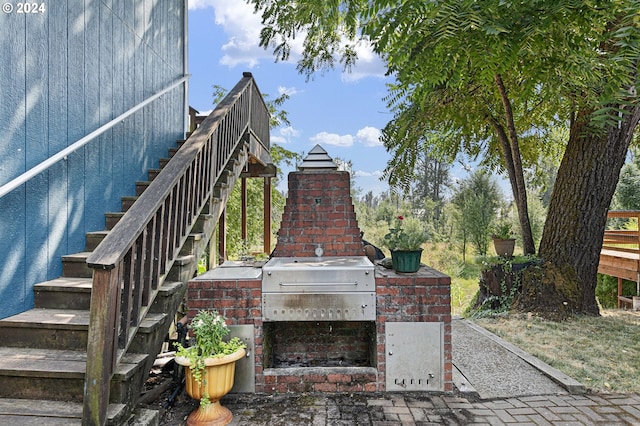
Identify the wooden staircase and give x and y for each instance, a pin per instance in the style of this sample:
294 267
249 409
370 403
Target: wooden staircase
43 351
82 354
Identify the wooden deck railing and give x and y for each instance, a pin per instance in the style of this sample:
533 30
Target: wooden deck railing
620 255
134 258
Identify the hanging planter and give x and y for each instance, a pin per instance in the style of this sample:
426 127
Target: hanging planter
406 260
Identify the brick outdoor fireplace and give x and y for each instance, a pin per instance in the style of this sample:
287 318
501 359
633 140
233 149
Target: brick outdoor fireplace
319 316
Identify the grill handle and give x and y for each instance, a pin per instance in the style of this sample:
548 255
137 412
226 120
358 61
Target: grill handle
318 284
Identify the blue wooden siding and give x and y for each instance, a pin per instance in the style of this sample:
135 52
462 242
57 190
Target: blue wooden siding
63 74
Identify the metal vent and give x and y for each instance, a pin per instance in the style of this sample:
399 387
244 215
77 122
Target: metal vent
318 159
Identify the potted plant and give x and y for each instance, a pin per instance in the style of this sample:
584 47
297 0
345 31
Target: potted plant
503 241
404 240
209 367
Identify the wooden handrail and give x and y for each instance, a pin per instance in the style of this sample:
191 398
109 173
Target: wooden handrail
622 239
132 261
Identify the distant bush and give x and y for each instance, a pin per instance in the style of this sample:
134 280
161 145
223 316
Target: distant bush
607 290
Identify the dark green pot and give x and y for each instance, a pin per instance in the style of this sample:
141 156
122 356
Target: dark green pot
406 260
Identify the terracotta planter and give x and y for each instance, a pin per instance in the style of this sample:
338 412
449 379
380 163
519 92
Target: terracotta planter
406 260
217 381
504 247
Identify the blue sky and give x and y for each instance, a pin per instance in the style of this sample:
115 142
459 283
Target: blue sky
343 112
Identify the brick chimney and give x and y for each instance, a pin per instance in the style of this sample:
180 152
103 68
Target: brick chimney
319 218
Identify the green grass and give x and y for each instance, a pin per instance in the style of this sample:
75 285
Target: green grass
464 275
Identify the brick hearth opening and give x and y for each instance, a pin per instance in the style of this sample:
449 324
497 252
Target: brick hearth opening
319 344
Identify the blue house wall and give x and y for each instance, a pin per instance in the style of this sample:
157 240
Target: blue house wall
64 72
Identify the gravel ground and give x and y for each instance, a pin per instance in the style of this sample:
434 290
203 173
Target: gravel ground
493 370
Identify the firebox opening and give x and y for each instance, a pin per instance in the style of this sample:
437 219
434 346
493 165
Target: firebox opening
289 344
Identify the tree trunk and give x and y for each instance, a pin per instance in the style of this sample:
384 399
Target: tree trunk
517 182
586 180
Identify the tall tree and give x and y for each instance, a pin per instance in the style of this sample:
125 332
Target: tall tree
431 179
490 74
477 199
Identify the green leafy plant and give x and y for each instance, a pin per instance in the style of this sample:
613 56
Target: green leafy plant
502 231
209 329
406 234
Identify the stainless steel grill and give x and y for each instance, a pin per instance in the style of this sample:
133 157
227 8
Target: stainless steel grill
318 289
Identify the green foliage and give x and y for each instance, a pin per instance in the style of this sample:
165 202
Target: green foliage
502 230
557 60
477 199
209 329
628 190
607 290
511 269
406 234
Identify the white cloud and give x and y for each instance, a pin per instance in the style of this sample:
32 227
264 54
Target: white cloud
369 136
289 132
242 26
324 138
287 90
362 173
200 4
277 139
285 134
369 64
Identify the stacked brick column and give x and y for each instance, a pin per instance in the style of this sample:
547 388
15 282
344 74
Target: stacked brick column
421 297
319 210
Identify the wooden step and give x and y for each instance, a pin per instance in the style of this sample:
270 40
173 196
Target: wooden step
92 239
204 223
63 329
127 202
58 375
163 162
112 218
75 265
29 412
75 293
142 186
192 242
63 293
153 173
